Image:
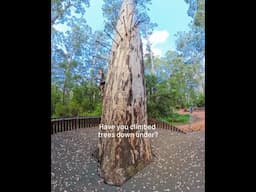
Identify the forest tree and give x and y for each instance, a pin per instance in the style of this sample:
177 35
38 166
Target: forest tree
124 102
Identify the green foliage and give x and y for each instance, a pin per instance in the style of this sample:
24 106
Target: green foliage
200 100
159 100
84 100
175 86
74 108
96 112
197 12
199 18
176 118
55 98
62 110
61 10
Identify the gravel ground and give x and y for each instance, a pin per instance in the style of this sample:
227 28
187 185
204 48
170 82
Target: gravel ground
179 165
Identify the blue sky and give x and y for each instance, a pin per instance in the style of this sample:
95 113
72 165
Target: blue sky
170 15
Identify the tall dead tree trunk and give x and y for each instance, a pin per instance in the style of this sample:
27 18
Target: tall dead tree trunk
151 59
124 103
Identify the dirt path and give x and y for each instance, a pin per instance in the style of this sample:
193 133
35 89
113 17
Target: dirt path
198 121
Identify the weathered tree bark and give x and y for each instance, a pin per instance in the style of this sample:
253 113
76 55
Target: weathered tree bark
124 103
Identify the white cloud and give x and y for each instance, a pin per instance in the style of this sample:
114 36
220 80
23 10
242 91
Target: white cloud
61 27
158 37
157 52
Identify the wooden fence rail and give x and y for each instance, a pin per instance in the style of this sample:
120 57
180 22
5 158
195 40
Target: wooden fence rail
163 125
68 124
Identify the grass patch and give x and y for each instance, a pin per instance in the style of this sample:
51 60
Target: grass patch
176 119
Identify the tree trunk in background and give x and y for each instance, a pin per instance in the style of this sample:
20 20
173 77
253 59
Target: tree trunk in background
151 59
124 103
